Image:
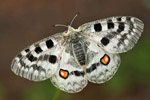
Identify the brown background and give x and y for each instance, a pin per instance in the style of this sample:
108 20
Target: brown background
23 22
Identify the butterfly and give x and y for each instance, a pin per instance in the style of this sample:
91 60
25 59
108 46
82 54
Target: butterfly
73 57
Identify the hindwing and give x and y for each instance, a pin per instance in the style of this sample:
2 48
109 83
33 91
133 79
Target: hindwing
70 76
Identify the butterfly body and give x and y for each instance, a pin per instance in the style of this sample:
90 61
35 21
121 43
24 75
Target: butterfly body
72 58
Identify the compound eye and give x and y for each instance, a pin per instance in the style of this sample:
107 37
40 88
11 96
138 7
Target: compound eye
66 31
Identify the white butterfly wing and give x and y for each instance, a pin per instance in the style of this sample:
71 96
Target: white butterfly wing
40 60
70 76
114 34
101 40
101 65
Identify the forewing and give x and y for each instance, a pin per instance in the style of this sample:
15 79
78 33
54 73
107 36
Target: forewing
101 65
115 34
40 60
70 77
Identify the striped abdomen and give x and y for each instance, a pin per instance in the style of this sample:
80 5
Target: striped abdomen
79 53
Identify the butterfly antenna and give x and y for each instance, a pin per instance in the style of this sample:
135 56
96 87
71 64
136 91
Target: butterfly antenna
60 25
74 18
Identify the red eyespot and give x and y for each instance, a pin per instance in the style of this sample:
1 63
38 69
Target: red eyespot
105 59
63 73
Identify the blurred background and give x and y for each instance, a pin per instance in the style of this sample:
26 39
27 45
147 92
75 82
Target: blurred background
23 22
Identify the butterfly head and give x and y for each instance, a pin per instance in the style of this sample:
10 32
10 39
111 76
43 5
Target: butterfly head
70 31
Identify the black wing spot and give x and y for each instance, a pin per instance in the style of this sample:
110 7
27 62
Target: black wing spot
109 21
77 73
110 25
52 59
92 67
119 19
128 18
49 43
27 50
120 27
38 50
97 27
31 57
104 41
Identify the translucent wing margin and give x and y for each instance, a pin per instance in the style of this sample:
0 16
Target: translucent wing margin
40 60
115 34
